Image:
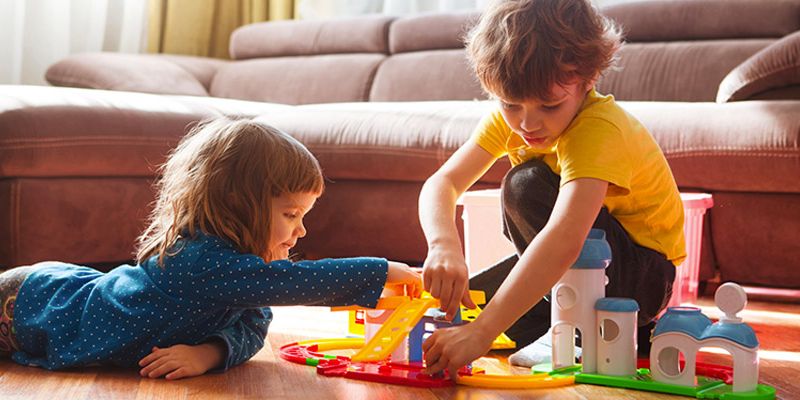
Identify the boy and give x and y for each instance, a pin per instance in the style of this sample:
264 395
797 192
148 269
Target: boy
579 161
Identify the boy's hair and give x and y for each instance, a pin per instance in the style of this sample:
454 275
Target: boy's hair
520 48
220 180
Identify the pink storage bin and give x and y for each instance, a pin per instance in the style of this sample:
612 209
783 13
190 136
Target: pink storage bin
684 290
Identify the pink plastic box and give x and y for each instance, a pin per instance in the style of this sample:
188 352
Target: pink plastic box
484 243
684 290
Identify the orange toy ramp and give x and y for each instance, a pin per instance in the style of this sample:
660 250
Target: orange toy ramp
394 330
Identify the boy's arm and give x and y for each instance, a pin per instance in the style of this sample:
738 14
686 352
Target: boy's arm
542 264
445 272
549 255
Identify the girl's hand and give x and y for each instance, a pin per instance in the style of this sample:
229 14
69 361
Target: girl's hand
447 279
182 361
452 348
399 273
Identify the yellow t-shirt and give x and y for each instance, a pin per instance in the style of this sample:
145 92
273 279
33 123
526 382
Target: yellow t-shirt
605 142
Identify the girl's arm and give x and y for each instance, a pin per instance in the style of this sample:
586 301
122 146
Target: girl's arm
218 352
542 264
445 272
246 281
244 338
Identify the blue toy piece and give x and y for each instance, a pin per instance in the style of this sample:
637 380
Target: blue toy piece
433 318
616 304
595 253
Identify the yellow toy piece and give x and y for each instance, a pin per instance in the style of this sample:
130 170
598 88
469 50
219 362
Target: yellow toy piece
515 381
355 322
334 344
502 342
394 330
384 303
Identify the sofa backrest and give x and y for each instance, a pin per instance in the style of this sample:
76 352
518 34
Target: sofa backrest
680 50
300 62
676 50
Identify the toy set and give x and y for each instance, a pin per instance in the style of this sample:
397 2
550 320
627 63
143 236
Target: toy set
391 350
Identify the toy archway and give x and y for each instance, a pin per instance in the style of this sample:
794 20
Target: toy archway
665 363
564 344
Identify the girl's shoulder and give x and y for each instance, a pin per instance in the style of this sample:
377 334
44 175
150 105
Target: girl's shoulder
200 251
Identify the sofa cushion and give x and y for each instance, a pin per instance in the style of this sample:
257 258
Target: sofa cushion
65 132
364 34
736 147
430 32
298 80
775 67
147 73
447 76
403 141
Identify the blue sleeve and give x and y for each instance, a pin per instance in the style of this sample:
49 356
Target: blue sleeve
246 281
244 338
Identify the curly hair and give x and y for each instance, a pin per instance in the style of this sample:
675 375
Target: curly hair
520 48
221 179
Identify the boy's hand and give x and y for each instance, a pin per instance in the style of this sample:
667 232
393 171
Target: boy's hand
399 273
182 361
447 279
452 348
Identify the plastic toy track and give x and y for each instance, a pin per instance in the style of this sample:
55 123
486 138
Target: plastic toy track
515 381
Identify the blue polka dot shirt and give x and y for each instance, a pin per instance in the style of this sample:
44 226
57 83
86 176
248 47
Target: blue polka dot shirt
68 315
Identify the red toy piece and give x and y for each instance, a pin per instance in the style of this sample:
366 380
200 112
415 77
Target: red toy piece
721 372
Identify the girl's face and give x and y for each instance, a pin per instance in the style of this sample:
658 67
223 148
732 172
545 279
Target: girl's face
288 211
540 123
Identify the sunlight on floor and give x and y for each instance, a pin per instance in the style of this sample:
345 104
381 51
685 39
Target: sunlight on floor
762 317
774 355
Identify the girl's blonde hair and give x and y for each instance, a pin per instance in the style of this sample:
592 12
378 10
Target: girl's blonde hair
520 48
220 180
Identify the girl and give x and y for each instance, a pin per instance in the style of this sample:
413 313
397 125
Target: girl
230 206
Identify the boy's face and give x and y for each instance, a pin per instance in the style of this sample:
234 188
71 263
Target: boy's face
539 123
287 215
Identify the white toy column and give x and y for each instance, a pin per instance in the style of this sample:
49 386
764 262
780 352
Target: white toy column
616 343
731 299
573 300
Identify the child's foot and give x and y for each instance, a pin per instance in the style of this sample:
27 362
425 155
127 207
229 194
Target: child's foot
538 352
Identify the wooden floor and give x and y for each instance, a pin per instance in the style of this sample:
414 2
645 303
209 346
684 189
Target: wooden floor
267 376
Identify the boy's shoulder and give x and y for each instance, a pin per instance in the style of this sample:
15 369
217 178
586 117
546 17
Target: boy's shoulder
604 108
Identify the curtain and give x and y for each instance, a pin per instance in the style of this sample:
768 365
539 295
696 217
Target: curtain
203 27
36 33
316 9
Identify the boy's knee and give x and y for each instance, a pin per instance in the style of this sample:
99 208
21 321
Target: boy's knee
530 183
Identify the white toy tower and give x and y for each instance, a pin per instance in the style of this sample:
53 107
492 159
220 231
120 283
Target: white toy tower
616 344
573 301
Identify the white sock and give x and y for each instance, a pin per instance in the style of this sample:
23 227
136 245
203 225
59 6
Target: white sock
538 352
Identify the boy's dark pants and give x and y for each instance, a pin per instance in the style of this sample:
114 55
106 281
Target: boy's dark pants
529 193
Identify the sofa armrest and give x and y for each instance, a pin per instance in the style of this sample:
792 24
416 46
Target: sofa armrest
149 73
768 74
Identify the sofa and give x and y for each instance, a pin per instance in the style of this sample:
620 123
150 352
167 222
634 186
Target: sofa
382 102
